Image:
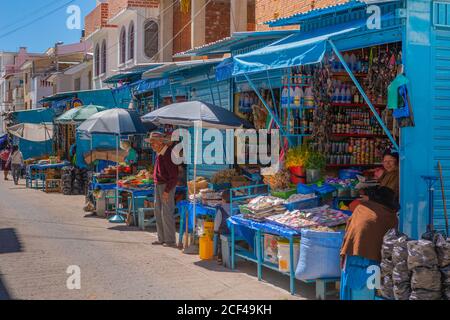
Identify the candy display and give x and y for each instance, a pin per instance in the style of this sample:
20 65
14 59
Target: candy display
300 197
292 219
263 207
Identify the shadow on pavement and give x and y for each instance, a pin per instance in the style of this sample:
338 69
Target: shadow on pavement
4 294
9 241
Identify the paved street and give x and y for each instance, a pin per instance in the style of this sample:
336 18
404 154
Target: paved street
42 234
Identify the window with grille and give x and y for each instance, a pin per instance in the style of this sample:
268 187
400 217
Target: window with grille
131 37
151 39
441 14
123 46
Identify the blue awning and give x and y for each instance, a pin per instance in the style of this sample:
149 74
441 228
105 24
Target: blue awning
224 70
147 85
298 49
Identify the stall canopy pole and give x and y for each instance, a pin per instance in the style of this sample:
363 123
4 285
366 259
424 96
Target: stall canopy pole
366 99
211 89
275 118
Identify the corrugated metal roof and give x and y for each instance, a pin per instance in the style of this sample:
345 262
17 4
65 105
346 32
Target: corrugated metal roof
237 41
131 74
165 69
314 13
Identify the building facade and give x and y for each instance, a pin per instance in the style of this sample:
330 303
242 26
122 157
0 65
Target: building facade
127 34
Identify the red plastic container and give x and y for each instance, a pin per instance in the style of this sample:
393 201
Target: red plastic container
298 175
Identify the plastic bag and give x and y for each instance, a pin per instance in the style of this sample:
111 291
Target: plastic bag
401 278
446 276
425 295
389 239
426 279
387 287
402 291
443 250
386 268
400 250
319 255
421 254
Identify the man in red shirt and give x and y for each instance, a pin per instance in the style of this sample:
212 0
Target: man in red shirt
166 178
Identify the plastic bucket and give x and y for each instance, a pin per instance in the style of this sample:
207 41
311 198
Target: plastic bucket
297 175
206 248
208 228
283 256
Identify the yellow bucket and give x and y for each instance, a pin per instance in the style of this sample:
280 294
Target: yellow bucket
206 248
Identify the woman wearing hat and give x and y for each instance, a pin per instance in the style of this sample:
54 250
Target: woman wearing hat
363 240
166 179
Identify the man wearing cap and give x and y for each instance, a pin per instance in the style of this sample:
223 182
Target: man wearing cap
166 178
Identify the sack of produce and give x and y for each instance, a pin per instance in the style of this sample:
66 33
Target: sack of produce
386 267
426 279
402 291
400 250
421 294
443 250
389 239
319 255
421 253
387 287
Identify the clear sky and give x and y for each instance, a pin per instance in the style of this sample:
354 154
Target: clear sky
38 24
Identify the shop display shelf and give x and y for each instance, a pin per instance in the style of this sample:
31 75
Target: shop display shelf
345 74
353 165
357 135
357 105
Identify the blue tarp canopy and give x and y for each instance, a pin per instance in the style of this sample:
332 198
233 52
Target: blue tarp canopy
224 70
297 49
147 85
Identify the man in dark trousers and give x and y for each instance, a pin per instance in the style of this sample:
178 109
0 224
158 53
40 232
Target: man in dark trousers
166 178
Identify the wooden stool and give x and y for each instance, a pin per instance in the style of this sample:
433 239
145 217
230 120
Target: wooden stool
52 185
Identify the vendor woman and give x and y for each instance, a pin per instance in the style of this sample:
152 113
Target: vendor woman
132 157
363 240
388 176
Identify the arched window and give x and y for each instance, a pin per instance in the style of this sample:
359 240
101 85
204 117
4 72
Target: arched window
151 39
104 56
131 37
123 46
97 60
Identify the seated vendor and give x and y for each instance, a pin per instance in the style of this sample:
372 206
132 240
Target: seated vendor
363 240
132 157
388 176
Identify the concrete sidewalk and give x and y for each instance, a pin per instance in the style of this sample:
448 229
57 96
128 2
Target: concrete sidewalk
41 235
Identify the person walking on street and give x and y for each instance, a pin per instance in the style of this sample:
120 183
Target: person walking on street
166 178
16 161
5 164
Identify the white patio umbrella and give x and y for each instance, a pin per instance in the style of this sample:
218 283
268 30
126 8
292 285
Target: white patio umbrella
196 114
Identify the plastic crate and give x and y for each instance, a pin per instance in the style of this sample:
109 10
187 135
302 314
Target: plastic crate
284 194
304 189
303 204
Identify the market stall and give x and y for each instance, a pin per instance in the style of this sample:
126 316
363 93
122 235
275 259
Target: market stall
117 123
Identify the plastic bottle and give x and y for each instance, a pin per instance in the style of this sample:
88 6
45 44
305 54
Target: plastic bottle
298 96
348 95
342 94
291 97
284 97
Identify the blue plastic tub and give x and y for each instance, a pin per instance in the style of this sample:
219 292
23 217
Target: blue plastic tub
303 204
304 189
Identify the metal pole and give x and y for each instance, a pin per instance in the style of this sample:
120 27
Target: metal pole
275 118
366 99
